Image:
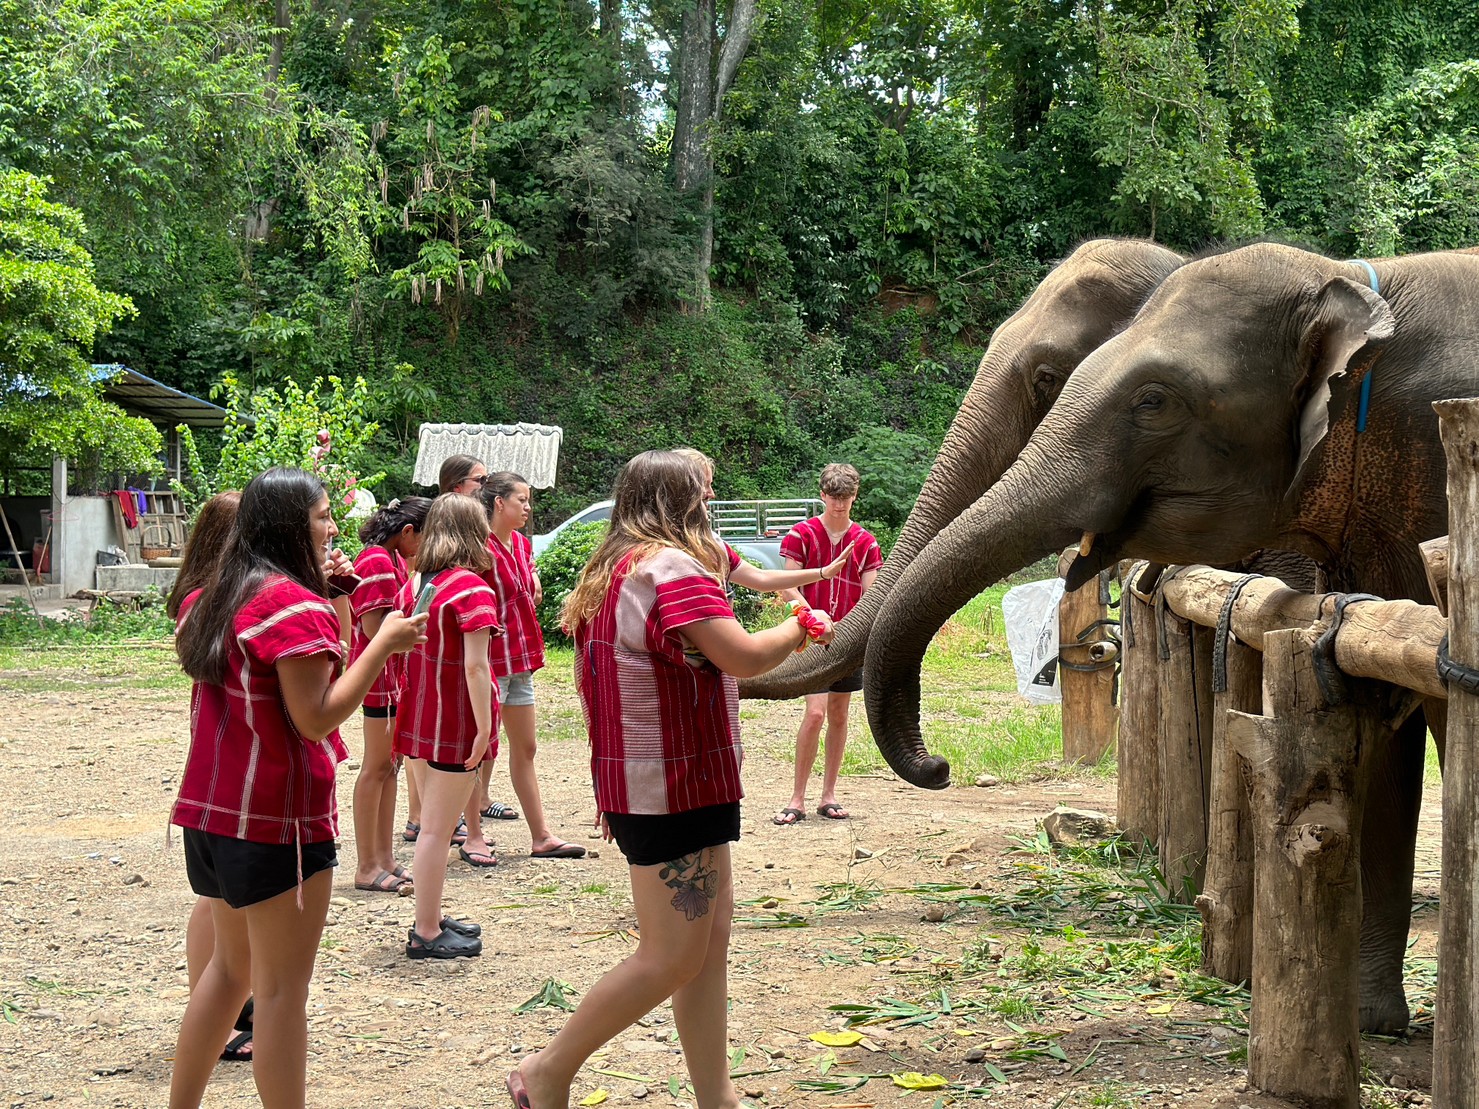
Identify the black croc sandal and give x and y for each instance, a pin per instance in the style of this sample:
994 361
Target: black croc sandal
462 927
448 945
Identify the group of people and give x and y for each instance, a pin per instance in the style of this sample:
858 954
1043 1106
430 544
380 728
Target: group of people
439 615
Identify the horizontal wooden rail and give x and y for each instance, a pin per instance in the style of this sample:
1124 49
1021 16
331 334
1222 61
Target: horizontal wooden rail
1390 641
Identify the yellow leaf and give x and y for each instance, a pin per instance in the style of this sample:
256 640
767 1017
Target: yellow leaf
913 1080
837 1039
1159 1010
964 1031
869 1044
595 1097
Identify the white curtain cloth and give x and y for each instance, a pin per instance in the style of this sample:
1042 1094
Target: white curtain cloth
532 450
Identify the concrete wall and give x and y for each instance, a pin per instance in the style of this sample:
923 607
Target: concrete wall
85 527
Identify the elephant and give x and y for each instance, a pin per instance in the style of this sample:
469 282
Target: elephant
1085 299
1227 417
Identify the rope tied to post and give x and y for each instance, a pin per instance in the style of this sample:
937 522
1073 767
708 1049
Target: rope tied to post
1223 631
1327 673
1456 673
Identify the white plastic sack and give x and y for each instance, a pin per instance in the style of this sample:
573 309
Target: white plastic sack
1031 615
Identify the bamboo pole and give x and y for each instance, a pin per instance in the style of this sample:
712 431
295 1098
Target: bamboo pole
1089 713
1184 744
1391 641
1226 901
1138 810
1455 1024
1307 788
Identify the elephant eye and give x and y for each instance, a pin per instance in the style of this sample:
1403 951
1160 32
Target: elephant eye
1048 380
1151 400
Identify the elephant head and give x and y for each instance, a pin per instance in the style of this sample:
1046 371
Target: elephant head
1185 438
1091 294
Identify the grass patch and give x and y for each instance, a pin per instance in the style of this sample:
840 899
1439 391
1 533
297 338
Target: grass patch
49 668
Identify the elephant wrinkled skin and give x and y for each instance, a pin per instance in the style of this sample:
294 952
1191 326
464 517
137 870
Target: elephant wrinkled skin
1223 420
1088 297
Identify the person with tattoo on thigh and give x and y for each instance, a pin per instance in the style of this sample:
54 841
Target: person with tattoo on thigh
657 652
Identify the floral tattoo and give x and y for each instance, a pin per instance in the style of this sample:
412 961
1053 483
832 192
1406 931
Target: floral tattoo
694 886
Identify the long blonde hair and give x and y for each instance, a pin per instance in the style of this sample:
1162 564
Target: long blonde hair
659 499
455 534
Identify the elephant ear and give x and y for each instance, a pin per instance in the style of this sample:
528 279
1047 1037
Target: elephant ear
1347 325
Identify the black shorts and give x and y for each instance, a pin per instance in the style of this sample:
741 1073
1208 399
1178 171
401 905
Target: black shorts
451 767
848 683
379 712
648 840
243 873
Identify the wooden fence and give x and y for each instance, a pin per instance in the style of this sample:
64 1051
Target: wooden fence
1247 715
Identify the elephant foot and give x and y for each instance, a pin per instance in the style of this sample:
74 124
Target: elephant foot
1385 1013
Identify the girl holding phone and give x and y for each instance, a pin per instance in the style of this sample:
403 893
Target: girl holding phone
657 653
391 536
451 711
256 800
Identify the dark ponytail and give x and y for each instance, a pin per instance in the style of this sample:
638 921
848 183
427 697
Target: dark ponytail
272 536
389 520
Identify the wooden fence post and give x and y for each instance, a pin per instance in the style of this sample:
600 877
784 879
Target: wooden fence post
1306 793
1226 901
1185 747
1455 1022
1138 810
1089 712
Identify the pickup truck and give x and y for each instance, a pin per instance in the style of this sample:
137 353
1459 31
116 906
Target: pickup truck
753 528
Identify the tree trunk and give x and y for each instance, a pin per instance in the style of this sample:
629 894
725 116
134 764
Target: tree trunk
1455 1023
1185 746
700 105
1138 809
1306 792
1226 902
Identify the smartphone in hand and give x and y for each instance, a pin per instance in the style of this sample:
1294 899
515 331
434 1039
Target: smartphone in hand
424 598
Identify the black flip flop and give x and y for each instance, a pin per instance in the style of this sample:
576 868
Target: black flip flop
238 1049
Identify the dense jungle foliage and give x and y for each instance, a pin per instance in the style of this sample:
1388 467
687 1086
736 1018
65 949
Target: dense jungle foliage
768 229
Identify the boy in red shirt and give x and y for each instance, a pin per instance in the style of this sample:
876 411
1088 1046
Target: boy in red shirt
813 544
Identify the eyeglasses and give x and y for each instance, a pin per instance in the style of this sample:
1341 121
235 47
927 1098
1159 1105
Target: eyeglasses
480 481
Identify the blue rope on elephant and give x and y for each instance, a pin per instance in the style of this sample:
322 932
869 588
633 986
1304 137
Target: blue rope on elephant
1365 405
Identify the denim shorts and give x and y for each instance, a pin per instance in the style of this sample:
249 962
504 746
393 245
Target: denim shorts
516 689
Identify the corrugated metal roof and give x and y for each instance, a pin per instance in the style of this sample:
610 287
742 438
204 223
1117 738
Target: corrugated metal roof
143 396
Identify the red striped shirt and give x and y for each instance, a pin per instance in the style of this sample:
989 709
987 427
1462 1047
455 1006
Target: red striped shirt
381 574
435 719
809 544
521 646
663 721
249 774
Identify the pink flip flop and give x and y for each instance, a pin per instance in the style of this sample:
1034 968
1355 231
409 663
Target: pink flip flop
514 1083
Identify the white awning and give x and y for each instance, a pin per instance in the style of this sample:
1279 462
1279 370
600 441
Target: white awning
532 450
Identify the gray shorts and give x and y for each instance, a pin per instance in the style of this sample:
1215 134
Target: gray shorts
516 689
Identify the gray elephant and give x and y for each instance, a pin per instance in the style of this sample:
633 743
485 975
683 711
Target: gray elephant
1231 416
1089 296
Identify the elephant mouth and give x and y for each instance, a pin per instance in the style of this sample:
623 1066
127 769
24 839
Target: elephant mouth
1095 553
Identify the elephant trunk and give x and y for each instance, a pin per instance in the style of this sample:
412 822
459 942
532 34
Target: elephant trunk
1008 528
993 425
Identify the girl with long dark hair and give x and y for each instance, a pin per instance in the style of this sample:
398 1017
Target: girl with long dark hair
391 537
256 800
657 653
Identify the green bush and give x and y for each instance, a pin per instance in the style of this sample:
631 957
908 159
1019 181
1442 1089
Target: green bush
108 623
559 569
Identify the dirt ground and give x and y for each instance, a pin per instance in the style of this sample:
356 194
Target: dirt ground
92 970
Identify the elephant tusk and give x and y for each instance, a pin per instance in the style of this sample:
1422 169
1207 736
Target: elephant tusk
1086 544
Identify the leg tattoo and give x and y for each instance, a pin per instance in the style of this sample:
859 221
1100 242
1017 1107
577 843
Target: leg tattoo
694 886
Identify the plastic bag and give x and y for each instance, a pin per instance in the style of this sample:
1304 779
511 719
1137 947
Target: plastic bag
1031 615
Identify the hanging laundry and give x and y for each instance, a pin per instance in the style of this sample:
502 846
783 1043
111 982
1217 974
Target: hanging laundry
128 506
